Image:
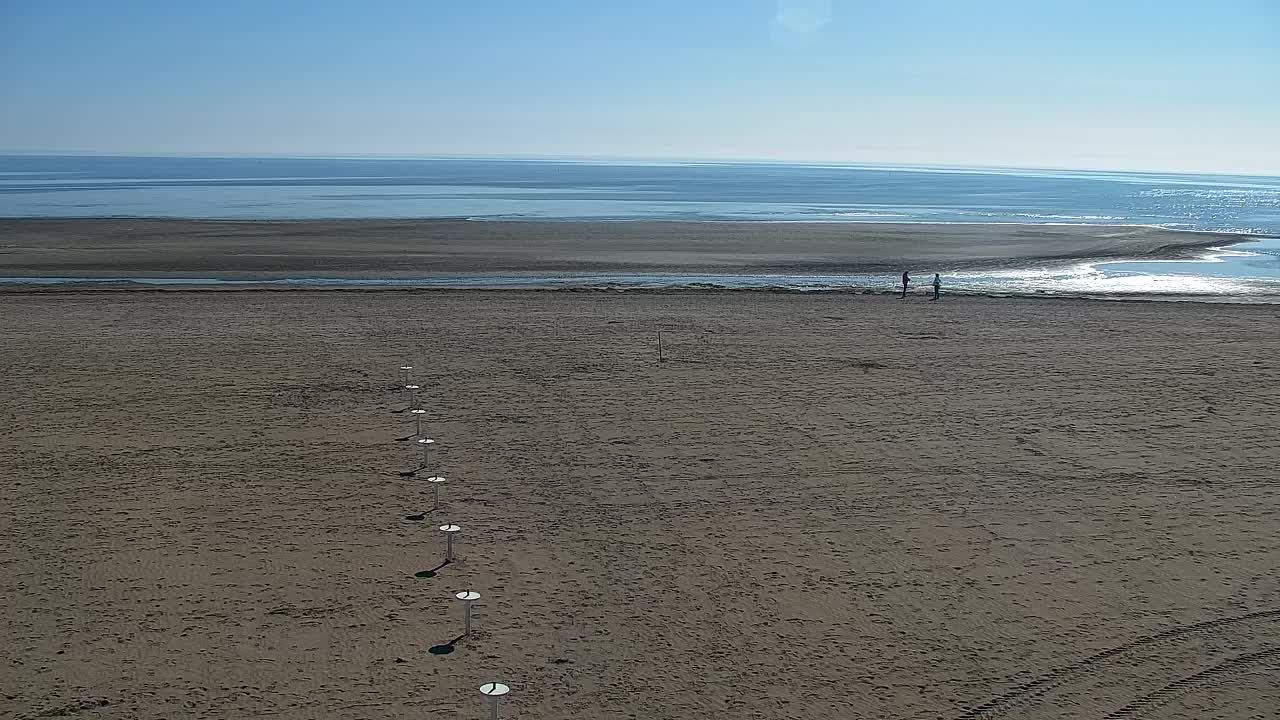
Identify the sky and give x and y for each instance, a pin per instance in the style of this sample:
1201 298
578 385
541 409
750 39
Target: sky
1181 85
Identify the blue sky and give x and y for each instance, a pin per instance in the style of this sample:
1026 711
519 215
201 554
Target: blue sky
1123 84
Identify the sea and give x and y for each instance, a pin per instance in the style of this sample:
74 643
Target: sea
540 190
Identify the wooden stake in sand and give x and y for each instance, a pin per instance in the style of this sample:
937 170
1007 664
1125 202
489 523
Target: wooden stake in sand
493 691
435 481
404 374
467 597
425 444
417 414
412 391
449 531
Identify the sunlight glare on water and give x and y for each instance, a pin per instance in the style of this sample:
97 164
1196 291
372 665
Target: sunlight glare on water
1246 269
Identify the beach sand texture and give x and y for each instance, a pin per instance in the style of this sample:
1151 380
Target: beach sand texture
414 248
821 506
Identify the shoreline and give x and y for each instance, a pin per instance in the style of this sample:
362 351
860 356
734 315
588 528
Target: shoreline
977 259
125 290
397 249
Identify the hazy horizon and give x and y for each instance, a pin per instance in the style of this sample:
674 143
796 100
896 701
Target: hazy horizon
624 160
1176 86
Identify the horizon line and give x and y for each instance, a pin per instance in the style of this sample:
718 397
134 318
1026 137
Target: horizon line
613 159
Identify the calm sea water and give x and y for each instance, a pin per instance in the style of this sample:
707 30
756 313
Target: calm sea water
277 188
322 188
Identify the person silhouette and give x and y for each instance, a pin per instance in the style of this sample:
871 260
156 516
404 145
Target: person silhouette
937 286
906 278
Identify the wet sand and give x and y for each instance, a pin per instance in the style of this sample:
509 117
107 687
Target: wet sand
819 507
400 249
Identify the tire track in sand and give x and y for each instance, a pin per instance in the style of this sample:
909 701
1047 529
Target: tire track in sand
1147 703
1003 703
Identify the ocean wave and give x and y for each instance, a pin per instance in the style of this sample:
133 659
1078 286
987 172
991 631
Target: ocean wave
1219 197
1061 217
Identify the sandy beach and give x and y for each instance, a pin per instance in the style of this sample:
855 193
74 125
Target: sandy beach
820 506
402 248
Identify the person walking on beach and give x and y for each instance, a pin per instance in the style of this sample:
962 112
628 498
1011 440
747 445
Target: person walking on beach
937 286
906 278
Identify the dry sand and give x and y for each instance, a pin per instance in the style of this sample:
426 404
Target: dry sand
821 506
403 248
